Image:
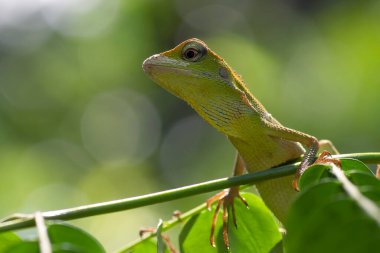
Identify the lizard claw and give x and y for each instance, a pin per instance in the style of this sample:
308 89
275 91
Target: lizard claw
295 183
225 198
323 158
216 197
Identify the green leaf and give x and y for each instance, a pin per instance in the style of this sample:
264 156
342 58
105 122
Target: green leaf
7 240
67 238
313 175
145 246
372 193
349 164
308 202
24 247
363 179
161 246
340 226
278 248
196 232
256 229
328 217
149 245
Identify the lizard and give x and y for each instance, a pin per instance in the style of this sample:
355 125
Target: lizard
194 73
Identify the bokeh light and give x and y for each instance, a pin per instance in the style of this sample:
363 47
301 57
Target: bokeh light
120 127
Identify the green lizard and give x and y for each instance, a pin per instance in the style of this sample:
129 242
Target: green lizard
194 73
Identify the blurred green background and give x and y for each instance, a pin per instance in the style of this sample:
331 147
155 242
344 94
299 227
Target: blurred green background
81 123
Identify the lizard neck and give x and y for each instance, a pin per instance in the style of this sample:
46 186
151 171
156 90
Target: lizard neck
257 148
257 106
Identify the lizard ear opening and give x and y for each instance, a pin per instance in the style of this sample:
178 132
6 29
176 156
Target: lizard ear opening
193 52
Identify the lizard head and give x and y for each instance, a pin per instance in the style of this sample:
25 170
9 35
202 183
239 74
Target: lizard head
191 67
197 75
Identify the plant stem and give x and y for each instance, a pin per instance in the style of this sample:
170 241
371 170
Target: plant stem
27 220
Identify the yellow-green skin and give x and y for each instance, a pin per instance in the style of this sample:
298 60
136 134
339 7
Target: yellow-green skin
219 96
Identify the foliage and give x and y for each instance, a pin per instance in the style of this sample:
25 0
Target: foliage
64 239
338 209
333 216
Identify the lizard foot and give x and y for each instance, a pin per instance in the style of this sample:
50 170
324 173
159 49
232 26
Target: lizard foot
225 198
323 158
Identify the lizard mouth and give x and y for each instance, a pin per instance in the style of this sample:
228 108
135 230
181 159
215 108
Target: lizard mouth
161 64
153 69
160 61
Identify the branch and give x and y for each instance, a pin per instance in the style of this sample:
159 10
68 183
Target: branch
27 220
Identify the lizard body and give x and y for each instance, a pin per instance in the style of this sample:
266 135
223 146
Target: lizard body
197 75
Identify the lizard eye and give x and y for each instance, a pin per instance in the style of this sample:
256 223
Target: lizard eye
193 52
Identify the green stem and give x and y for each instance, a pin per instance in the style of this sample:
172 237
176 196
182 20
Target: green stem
24 221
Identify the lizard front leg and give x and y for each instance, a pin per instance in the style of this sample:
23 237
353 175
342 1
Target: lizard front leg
281 132
226 199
